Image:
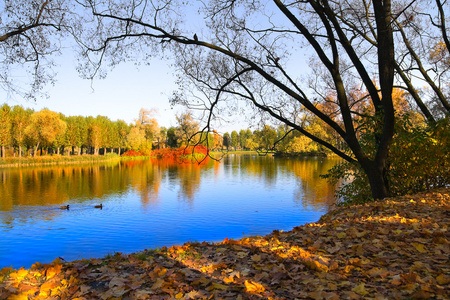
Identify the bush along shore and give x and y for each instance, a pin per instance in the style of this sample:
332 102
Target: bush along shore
398 248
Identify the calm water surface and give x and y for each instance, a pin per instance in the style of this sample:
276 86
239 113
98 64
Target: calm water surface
149 204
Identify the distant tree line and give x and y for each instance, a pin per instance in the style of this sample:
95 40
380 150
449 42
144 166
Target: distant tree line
28 132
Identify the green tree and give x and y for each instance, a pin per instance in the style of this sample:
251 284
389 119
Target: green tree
73 133
94 135
234 139
106 127
119 139
136 139
20 121
242 139
172 140
162 138
82 135
226 140
267 137
5 127
60 140
246 139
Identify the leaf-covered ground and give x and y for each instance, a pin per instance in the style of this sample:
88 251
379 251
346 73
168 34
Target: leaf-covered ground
395 249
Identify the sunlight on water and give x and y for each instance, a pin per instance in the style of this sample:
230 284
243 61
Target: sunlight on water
153 204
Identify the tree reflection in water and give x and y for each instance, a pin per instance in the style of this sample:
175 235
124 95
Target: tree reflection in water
57 185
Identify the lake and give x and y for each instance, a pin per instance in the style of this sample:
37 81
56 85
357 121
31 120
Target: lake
149 204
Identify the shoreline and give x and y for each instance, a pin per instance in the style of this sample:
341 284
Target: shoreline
87 158
66 160
396 248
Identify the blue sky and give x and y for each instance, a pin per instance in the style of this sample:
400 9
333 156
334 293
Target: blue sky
121 95
125 90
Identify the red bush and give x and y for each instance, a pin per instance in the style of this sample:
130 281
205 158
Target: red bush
133 153
176 155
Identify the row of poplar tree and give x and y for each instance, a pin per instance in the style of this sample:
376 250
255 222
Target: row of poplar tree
28 132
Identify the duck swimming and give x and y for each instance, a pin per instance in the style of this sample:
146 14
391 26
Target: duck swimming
99 206
64 207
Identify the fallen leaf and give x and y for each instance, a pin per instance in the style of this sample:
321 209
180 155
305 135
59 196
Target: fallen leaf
253 287
419 247
360 289
256 258
443 279
157 285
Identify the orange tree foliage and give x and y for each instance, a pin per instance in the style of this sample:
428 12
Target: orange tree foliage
187 154
133 153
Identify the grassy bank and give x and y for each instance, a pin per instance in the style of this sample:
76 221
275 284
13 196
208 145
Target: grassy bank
233 152
395 249
60 160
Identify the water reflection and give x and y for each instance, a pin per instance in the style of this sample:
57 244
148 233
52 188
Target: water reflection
55 186
151 204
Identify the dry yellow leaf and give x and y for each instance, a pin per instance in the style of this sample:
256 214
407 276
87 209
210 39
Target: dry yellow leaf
21 296
332 286
348 268
202 281
49 285
419 247
242 254
159 282
217 286
341 235
179 296
19 275
360 289
315 265
52 271
443 279
162 272
256 258
253 287
229 279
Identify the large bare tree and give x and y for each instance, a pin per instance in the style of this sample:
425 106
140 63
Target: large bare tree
250 52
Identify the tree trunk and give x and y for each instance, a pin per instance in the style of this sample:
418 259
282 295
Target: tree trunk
35 150
119 151
376 173
20 151
3 151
